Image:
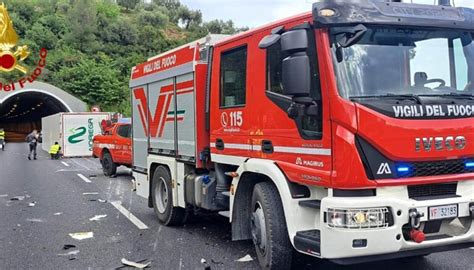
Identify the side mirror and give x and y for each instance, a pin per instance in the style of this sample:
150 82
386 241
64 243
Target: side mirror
296 67
297 75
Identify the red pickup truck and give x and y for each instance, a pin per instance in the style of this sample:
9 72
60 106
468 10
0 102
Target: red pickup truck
114 146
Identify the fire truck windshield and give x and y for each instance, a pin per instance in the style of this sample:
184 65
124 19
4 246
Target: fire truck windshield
388 62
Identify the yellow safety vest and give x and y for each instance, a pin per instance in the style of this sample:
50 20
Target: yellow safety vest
54 149
2 134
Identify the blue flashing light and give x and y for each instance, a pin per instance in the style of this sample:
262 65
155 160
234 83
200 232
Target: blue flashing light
403 169
470 164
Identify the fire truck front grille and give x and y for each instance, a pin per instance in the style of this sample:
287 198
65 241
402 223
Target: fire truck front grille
443 167
433 190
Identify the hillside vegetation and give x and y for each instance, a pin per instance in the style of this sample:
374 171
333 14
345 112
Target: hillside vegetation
93 44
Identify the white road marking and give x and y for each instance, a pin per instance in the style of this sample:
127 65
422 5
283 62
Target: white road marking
65 164
78 163
84 178
140 225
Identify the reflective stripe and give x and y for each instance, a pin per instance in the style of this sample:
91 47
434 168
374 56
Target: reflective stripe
279 149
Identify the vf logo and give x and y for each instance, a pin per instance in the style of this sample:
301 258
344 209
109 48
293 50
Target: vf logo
384 169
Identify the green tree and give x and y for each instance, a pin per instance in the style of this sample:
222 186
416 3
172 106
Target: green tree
93 44
93 82
128 4
83 24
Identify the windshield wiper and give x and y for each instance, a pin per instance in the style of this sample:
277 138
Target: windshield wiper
392 96
450 95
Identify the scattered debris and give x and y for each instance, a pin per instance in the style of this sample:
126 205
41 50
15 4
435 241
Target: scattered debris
135 264
246 258
31 204
17 198
66 247
58 213
34 220
70 253
82 235
206 266
97 217
217 262
90 193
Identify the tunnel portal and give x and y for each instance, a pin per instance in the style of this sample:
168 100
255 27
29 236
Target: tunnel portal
21 110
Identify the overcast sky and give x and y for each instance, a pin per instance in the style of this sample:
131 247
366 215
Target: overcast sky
254 13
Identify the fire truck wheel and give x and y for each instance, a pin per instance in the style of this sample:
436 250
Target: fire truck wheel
163 199
268 227
108 165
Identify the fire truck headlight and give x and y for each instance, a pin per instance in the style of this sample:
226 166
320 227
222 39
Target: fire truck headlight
359 218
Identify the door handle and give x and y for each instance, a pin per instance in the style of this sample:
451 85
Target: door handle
267 147
220 144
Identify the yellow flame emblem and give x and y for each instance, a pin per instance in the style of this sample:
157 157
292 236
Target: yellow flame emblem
8 38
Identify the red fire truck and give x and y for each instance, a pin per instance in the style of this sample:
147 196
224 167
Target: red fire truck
346 133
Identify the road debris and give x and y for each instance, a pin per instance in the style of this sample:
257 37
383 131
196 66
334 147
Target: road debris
82 235
17 198
70 253
135 264
246 258
66 247
97 217
31 204
34 220
90 193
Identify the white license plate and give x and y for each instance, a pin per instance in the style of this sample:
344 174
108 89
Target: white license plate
442 212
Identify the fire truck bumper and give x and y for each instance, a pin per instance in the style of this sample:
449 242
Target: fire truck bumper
390 225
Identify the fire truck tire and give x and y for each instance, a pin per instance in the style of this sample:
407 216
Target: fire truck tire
163 199
268 228
108 166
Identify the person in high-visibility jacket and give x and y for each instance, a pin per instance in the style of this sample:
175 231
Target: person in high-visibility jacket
2 139
55 151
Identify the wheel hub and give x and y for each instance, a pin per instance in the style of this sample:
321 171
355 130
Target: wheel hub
258 228
162 195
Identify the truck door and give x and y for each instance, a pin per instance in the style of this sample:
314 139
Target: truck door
121 142
231 117
300 143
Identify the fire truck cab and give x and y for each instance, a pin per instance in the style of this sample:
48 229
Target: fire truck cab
346 133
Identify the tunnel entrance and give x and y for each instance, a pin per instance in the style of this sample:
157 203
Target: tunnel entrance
21 113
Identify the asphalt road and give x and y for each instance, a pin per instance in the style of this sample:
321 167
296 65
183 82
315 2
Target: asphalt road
33 237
